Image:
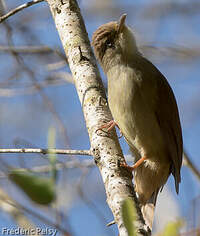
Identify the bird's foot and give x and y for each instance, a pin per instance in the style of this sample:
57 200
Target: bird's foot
109 126
131 168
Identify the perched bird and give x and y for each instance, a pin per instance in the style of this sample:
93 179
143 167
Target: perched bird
144 108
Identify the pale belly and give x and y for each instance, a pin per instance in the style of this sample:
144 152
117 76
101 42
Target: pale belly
132 111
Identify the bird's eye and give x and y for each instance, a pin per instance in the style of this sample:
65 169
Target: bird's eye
109 44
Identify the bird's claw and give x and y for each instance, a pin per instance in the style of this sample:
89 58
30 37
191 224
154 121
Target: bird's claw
109 126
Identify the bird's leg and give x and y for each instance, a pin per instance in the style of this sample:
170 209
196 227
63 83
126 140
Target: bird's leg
138 163
109 126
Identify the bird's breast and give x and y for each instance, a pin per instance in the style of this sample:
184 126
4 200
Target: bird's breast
132 109
123 89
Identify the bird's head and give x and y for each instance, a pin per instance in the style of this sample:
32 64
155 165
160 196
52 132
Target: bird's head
114 43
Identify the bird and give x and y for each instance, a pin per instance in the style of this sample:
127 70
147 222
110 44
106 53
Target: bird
144 108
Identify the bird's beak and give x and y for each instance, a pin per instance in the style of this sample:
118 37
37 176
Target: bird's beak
121 23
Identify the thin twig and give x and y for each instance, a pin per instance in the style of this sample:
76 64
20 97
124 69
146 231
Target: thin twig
19 8
111 223
75 163
27 49
44 97
86 163
32 49
57 79
90 204
187 162
46 151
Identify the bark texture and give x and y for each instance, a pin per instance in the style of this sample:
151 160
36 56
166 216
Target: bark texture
105 147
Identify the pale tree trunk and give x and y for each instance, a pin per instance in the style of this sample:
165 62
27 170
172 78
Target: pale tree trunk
106 149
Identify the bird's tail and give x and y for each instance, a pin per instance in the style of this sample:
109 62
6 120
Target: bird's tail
148 210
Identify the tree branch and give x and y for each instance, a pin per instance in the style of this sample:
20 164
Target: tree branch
187 162
19 8
27 49
105 147
46 151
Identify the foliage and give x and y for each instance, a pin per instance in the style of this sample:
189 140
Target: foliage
172 228
39 189
129 216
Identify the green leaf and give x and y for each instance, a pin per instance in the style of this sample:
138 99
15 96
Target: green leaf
172 228
129 216
39 189
52 156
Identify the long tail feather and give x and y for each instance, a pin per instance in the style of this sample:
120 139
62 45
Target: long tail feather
148 210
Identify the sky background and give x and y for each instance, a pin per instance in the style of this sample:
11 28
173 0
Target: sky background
168 34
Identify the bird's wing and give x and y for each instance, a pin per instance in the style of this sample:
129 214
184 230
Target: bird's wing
166 112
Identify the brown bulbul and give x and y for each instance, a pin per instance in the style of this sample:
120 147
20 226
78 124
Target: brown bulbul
144 108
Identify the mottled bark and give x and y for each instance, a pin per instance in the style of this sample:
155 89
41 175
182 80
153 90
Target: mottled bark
105 147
